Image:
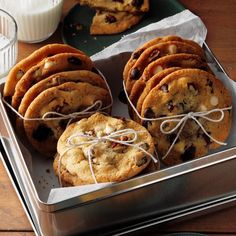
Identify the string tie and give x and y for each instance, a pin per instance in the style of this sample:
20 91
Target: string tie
92 141
192 115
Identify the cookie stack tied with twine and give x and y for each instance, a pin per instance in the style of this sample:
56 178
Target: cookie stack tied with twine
174 94
52 87
114 17
102 149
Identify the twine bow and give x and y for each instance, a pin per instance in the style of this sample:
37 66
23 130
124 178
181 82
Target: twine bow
92 141
192 115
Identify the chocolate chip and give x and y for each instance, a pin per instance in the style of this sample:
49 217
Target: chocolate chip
149 113
163 115
142 161
42 133
137 54
206 138
74 61
170 105
164 88
171 138
137 3
121 1
156 147
146 123
114 144
189 153
63 124
110 19
122 97
210 84
204 67
134 73
165 125
123 119
58 108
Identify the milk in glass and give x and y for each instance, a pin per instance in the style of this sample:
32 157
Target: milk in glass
36 19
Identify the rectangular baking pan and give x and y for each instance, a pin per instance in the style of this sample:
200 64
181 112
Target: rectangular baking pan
170 193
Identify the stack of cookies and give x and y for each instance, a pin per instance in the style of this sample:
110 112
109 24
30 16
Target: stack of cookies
169 76
102 149
56 80
115 16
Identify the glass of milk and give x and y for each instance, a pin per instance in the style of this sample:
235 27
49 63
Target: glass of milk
37 20
8 43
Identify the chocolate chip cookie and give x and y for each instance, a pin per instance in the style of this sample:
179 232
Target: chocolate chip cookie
57 79
138 52
24 65
154 52
141 89
181 92
105 22
66 98
51 65
183 60
110 161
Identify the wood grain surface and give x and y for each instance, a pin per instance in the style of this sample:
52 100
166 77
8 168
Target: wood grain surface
220 18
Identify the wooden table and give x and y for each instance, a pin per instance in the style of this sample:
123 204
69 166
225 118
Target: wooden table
220 19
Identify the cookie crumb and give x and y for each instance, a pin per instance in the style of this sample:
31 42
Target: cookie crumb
75 26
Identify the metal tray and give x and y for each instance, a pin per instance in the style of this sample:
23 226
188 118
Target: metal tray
149 199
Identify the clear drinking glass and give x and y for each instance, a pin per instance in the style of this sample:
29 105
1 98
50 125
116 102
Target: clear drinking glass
8 43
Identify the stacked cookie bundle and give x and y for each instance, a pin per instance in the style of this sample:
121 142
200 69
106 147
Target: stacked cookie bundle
50 87
102 149
177 98
115 16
